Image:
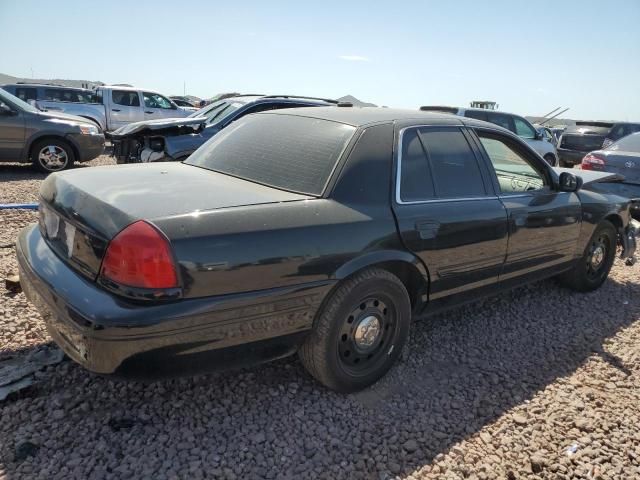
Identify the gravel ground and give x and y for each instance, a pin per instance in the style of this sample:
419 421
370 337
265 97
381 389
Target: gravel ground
539 382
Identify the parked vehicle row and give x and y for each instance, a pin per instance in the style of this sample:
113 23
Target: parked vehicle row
109 107
514 123
320 230
176 139
51 141
584 137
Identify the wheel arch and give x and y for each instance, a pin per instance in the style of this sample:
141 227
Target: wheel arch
404 265
35 140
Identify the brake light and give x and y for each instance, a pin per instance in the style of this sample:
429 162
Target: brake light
140 256
590 160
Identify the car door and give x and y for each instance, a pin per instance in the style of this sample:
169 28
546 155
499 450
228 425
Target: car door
544 224
156 106
12 132
447 211
125 108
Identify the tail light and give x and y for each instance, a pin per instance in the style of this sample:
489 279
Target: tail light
140 256
591 160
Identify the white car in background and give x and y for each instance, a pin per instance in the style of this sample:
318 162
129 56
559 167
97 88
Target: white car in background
515 123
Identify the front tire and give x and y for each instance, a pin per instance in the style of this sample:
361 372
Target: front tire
359 333
593 267
52 155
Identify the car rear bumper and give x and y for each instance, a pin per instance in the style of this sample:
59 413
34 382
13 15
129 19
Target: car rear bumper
573 157
110 335
87 146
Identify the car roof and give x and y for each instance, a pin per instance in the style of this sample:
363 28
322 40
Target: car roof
361 116
277 98
45 85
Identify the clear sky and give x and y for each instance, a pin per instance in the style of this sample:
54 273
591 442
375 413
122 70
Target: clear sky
529 56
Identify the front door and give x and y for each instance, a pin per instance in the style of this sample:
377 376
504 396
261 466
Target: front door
447 211
544 223
12 131
156 106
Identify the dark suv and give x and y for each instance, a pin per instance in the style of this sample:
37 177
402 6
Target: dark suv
52 141
177 138
576 141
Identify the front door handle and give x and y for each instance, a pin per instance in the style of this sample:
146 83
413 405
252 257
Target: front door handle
148 112
115 109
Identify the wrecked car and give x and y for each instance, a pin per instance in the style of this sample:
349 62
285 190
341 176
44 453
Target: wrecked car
321 231
177 138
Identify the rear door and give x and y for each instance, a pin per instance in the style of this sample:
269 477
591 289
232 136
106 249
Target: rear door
447 211
544 224
125 108
156 106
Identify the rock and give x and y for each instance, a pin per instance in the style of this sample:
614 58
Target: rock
12 284
24 450
486 437
410 446
537 464
394 467
57 414
520 419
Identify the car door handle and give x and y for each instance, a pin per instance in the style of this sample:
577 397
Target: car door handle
146 111
115 109
427 228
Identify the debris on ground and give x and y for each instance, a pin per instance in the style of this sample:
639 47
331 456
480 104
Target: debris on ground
24 450
12 284
17 373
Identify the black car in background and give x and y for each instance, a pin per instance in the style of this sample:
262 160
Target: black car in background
317 230
576 141
177 138
50 141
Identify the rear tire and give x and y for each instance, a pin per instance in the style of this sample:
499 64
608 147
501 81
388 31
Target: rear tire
359 333
593 267
52 155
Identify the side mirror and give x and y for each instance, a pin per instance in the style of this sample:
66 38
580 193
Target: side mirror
569 182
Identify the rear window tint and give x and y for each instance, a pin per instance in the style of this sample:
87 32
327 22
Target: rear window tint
283 151
416 181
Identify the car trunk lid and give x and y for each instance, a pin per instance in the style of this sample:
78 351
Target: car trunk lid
623 163
81 210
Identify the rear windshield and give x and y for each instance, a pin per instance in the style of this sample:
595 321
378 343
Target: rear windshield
287 152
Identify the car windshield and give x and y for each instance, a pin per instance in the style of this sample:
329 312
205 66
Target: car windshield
217 111
6 97
630 143
287 152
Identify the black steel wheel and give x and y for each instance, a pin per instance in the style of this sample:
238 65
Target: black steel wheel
359 332
593 268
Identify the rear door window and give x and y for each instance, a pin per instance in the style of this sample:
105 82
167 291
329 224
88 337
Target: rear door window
126 98
26 93
505 121
476 114
438 162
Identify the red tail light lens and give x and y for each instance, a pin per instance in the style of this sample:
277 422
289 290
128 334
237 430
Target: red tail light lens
590 160
140 256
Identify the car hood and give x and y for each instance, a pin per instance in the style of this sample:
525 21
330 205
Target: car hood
108 198
66 117
162 123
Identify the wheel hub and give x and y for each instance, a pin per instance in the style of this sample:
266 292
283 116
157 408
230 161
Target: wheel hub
597 257
52 157
367 332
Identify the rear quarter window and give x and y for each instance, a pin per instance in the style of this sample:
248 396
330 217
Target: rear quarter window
288 152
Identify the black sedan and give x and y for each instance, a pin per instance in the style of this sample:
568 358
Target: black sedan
317 230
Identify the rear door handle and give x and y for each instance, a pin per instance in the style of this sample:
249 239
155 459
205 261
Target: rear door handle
427 228
148 112
115 110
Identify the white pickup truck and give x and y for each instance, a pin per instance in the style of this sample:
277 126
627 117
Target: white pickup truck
110 107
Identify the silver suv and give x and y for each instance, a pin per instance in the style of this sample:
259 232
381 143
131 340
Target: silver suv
515 123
